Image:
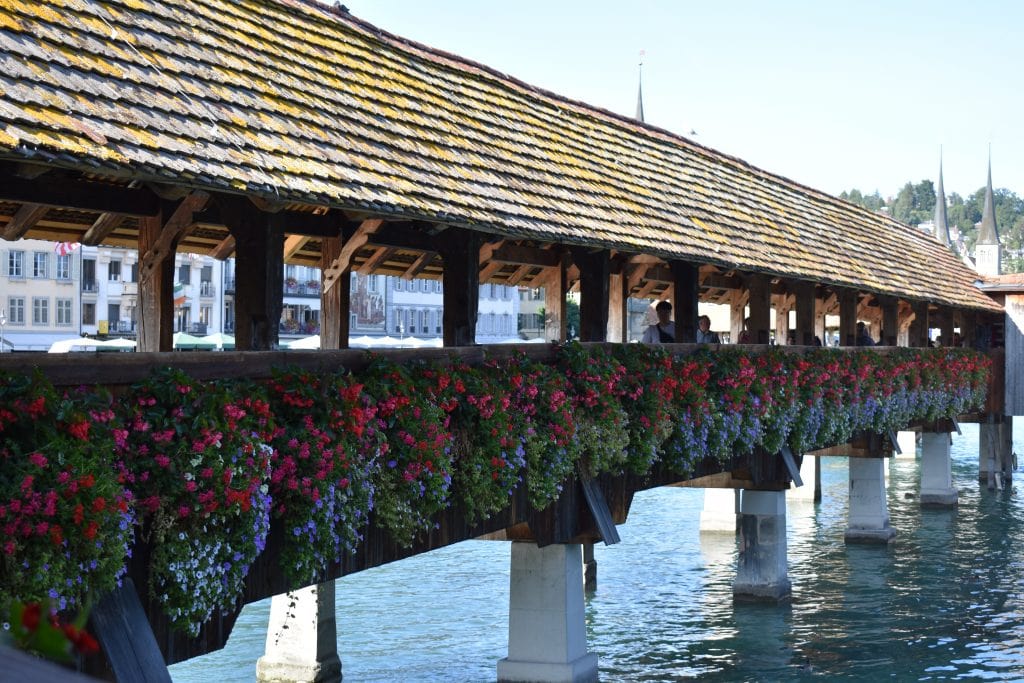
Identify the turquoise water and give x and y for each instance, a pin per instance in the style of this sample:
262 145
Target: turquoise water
945 602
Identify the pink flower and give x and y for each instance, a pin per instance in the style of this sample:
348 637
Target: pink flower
38 459
162 460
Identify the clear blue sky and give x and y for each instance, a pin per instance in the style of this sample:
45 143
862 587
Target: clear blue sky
835 95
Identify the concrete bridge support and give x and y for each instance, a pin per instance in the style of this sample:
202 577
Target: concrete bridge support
719 512
936 471
302 638
547 638
762 567
995 466
868 520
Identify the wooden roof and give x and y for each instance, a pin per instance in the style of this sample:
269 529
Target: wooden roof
304 105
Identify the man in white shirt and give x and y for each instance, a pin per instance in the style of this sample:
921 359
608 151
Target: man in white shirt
664 332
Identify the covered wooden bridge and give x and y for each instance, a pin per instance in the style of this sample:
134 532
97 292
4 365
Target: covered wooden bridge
286 131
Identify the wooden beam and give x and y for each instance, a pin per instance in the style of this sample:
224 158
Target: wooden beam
293 244
379 256
636 276
101 228
81 195
156 292
349 249
335 304
178 225
594 279
805 293
759 290
24 219
847 317
259 280
890 320
525 256
684 300
460 250
488 249
224 249
555 311
421 262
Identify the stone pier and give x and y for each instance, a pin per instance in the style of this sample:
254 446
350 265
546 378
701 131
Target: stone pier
868 520
936 471
762 567
302 638
719 512
547 638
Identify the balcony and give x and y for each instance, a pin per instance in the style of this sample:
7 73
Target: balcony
206 289
293 288
90 286
229 285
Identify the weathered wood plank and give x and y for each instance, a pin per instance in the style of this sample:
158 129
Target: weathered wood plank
123 630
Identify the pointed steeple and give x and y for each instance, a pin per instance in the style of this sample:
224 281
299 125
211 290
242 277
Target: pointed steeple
941 226
989 232
987 255
640 90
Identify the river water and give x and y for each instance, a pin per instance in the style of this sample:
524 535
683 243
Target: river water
944 602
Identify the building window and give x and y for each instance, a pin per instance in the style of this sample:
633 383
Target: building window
40 261
40 310
114 271
133 272
205 314
185 274
399 284
16 310
89 275
63 267
423 322
16 264
88 314
64 312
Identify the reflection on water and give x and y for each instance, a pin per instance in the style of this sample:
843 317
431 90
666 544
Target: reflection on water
945 601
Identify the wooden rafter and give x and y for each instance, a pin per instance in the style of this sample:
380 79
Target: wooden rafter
224 248
525 256
101 228
517 277
636 275
489 270
487 251
293 244
362 235
23 220
379 256
417 267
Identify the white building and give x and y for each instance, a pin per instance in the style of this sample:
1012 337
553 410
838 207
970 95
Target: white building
39 296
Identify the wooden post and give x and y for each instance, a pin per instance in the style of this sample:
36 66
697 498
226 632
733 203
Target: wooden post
847 317
594 269
804 292
618 316
760 308
946 325
555 311
969 328
259 263
460 251
156 292
736 315
334 302
890 320
782 319
918 334
686 282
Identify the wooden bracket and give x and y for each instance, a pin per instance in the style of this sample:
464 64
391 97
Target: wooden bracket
894 441
177 226
794 471
23 220
598 507
353 244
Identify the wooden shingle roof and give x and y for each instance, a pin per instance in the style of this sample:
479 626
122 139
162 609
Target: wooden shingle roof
290 100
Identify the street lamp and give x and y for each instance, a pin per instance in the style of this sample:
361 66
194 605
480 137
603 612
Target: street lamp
3 321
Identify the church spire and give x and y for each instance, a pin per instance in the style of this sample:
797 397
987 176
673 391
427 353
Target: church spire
989 232
640 90
986 250
940 225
